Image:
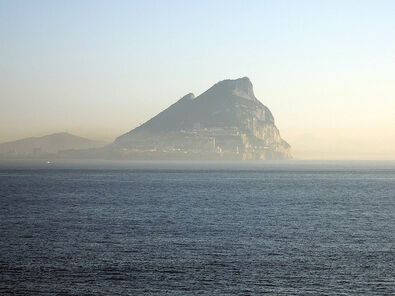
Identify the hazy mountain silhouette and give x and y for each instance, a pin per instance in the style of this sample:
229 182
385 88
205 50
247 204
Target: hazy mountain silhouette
226 121
54 143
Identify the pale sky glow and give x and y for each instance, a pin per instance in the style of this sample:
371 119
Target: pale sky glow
99 68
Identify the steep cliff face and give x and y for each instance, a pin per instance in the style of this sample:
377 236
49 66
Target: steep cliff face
226 121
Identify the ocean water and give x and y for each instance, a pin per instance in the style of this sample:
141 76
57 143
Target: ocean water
124 228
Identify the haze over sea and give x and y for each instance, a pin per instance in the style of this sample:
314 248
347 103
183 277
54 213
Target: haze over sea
197 228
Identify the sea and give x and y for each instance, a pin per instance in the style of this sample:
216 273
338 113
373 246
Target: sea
197 228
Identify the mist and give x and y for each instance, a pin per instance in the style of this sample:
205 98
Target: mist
324 70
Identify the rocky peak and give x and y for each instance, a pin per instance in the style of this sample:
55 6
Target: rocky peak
241 87
228 112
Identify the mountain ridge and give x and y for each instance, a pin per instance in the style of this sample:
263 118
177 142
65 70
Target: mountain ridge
48 144
227 112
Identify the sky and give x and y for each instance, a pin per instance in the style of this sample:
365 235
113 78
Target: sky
100 68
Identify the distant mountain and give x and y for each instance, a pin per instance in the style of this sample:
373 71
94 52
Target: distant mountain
227 122
50 144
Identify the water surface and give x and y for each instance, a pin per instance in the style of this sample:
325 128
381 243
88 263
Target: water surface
145 228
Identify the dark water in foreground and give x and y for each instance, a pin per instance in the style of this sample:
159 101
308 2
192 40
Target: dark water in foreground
185 229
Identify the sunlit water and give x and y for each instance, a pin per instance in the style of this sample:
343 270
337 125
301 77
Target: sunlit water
288 228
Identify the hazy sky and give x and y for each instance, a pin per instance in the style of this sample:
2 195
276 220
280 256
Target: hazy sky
99 68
